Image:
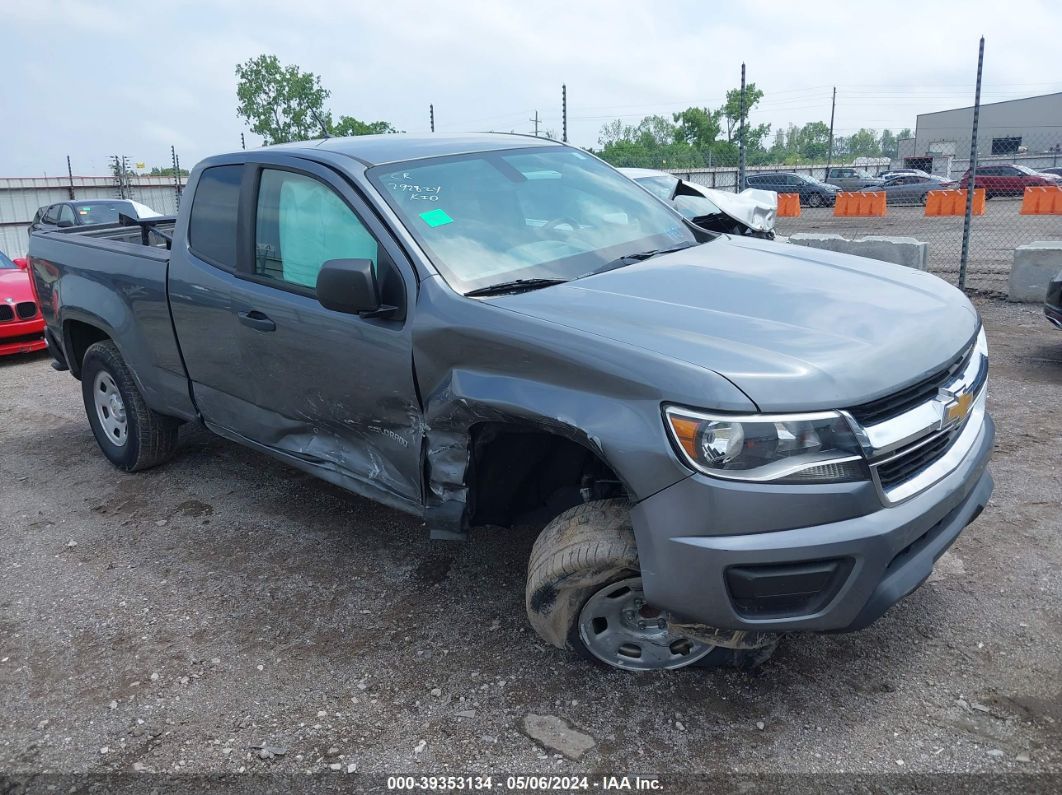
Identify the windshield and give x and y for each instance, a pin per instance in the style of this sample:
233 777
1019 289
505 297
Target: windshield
5 263
102 212
1026 170
541 213
663 187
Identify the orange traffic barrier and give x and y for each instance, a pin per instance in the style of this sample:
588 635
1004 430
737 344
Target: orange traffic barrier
1042 201
953 202
788 205
859 203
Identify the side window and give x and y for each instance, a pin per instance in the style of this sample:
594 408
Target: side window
51 215
300 224
66 215
212 223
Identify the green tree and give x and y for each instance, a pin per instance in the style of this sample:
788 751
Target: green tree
283 103
731 111
813 141
698 127
279 102
348 125
863 143
158 171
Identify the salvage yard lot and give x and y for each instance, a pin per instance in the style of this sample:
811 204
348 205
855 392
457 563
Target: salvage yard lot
182 617
993 236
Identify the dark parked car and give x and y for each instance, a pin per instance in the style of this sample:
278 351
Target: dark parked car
88 212
730 438
910 189
897 172
1009 180
813 192
1053 304
848 178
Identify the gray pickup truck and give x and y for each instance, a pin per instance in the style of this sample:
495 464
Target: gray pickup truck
726 438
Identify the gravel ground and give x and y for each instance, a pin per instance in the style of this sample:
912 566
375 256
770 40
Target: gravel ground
182 618
993 236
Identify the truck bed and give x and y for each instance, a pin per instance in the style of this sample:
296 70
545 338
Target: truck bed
113 277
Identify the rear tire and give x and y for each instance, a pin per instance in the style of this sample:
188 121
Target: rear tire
131 435
582 559
816 200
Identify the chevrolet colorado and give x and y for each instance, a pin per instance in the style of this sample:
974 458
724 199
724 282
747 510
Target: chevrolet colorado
727 438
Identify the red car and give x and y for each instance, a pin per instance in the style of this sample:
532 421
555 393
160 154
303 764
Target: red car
1009 180
21 323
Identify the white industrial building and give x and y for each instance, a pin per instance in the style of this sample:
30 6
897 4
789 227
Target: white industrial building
1027 131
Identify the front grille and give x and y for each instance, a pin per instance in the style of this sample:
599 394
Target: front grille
26 310
906 399
909 462
6 313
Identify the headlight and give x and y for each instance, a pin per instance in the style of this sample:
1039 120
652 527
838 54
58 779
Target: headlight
781 448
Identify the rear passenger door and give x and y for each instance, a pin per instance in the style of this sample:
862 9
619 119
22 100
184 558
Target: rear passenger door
332 390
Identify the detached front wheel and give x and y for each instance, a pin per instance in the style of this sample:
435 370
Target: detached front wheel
130 434
584 594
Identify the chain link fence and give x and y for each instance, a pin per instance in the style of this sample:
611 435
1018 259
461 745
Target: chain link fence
1008 163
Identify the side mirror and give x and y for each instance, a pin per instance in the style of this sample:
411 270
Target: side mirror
22 263
349 285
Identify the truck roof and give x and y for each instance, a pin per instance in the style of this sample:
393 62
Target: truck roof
373 150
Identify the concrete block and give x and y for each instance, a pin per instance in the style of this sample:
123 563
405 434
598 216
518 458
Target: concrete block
829 242
1035 265
902 250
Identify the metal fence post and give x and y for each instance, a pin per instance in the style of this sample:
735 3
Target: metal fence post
741 136
971 183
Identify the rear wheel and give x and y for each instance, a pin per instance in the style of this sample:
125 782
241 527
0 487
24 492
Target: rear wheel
584 593
130 434
816 200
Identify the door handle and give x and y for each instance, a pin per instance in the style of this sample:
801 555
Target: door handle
259 321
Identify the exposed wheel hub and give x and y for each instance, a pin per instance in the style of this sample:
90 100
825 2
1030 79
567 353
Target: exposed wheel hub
620 628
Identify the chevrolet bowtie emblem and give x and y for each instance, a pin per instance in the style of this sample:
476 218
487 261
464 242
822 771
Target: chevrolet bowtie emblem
957 411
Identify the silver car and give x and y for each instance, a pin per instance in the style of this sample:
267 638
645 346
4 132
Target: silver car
910 188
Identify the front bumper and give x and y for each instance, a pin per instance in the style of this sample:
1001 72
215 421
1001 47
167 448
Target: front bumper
22 336
1054 314
825 573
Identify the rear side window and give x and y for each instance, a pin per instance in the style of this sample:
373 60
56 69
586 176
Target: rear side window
215 207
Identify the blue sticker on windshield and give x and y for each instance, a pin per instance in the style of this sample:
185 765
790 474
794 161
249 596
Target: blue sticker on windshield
436 217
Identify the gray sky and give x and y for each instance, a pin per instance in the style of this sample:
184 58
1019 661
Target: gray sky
91 79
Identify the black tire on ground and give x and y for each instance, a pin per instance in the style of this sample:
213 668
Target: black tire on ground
816 200
580 552
923 198
151 438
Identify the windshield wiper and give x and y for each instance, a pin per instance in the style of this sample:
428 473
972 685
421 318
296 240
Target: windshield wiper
629 259
514 286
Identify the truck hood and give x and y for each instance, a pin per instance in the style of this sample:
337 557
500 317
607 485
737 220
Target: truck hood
794 328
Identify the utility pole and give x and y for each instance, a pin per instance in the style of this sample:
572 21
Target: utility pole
829 152
70 176
971 184
431 115
243 143
535 120
564 113
177 175
741 135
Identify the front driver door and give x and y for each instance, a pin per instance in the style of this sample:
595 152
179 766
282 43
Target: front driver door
332 390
